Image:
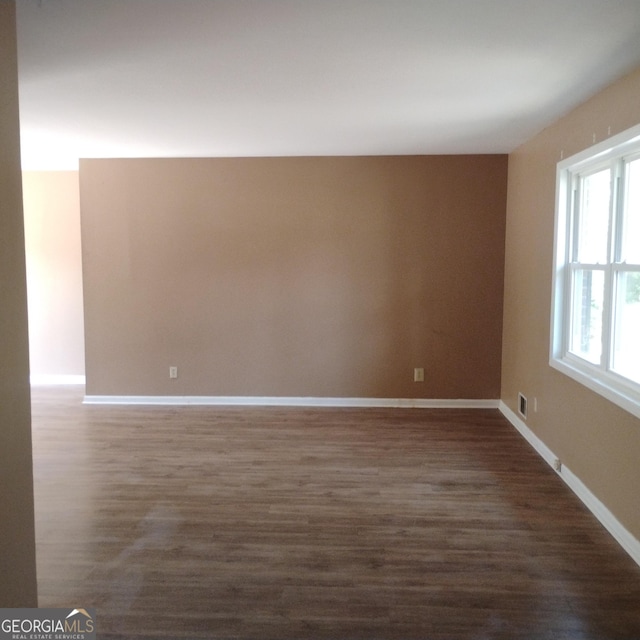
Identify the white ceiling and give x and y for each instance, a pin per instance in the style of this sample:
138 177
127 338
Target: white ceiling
127 78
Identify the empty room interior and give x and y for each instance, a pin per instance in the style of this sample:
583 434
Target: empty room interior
321 319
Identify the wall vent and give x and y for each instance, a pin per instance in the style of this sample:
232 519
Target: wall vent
522 406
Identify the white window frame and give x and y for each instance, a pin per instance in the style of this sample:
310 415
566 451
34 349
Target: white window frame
597 377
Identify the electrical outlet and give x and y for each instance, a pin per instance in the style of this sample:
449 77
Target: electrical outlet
173 372
418 374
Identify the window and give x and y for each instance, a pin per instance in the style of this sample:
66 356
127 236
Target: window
595 327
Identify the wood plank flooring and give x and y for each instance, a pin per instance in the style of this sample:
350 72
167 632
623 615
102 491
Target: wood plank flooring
277 523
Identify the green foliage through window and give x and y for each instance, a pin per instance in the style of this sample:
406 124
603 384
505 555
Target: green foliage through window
633 287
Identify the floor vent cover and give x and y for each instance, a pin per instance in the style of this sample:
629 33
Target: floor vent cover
522 405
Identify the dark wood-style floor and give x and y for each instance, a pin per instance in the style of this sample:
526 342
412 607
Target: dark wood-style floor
276 523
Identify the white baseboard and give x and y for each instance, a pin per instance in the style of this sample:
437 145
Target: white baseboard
276 401
47 379
622 535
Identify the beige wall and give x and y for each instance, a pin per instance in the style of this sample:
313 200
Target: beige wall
294 276
598 441
17 543
54 272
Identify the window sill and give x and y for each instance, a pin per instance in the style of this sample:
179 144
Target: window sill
602 385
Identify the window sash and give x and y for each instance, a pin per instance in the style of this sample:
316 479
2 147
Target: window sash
573 266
